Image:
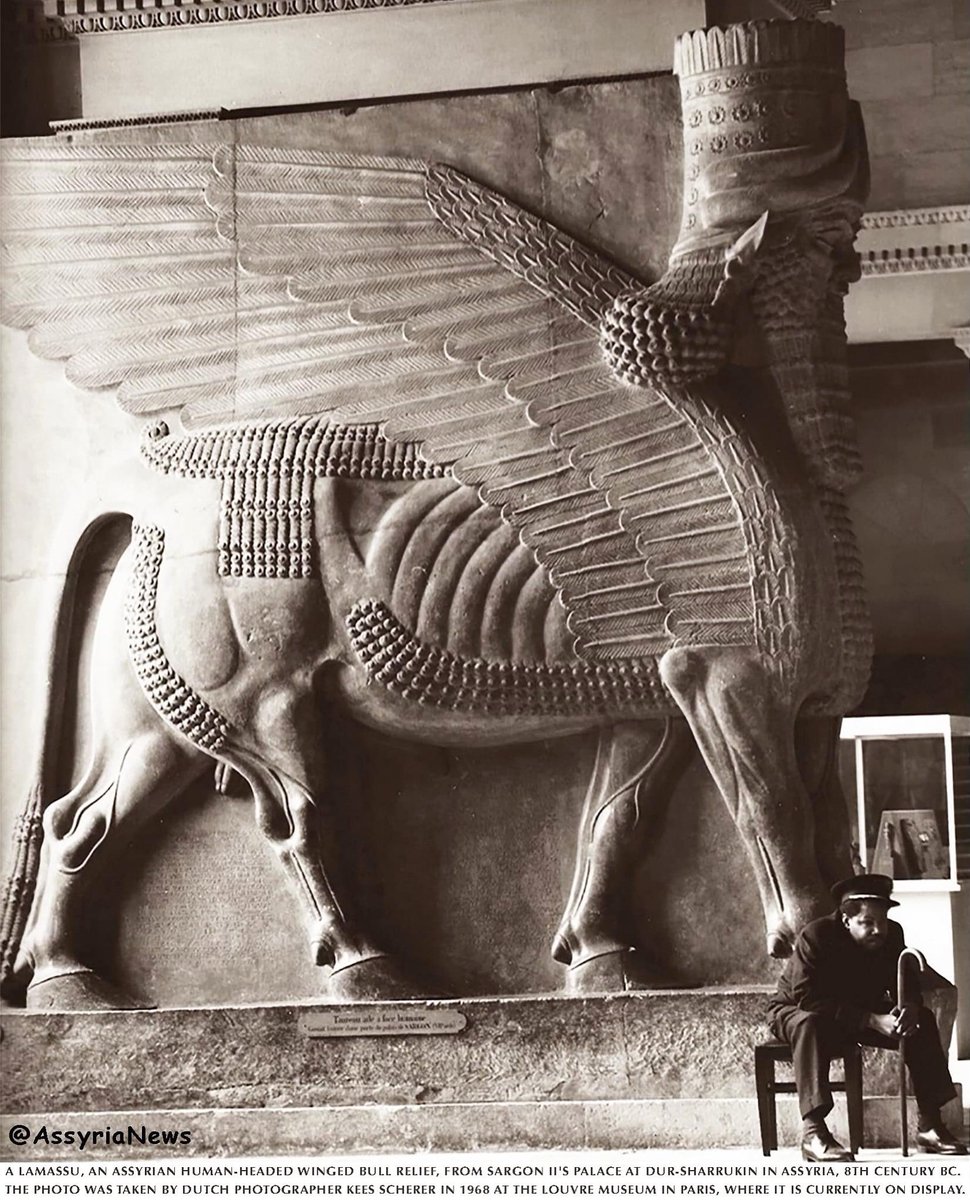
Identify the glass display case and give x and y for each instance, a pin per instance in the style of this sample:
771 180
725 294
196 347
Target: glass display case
907 780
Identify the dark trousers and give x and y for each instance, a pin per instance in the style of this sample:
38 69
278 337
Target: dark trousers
816 1039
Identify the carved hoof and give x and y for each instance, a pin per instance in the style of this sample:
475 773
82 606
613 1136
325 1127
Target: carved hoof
380 978
78 991
561 950
615 971
573 946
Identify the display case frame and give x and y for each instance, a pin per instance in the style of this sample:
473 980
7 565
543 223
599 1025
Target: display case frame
946 727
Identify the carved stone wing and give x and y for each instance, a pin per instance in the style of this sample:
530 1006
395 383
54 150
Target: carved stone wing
239 283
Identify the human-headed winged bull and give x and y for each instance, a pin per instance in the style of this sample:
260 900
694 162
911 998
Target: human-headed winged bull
443 465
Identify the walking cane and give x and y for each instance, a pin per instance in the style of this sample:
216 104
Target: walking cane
907 951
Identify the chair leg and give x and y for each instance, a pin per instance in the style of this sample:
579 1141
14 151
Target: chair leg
764 1073
853 1097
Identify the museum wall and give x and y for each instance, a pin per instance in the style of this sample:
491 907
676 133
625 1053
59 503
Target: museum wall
911 518
908 64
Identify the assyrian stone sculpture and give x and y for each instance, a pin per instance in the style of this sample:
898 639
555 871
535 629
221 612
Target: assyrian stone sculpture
600 504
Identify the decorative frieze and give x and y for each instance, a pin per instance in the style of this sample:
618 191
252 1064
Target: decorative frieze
915 239
130 16
910 287
898 218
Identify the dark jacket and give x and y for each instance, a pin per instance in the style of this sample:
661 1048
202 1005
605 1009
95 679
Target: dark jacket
828 973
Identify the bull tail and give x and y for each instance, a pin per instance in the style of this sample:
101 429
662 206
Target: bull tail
18 895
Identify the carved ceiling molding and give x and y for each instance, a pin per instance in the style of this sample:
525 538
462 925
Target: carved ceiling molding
896 218
915 239
133 16
911 287
65 19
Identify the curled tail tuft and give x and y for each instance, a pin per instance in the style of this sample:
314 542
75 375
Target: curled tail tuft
18 894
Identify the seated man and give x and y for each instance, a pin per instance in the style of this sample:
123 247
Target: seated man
838 988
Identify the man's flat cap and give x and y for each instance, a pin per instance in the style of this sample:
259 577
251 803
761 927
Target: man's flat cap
865 887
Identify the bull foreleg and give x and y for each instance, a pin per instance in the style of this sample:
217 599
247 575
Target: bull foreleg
817 748
744 727
632 781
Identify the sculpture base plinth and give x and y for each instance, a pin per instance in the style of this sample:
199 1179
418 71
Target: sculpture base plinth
531 1125
671 1069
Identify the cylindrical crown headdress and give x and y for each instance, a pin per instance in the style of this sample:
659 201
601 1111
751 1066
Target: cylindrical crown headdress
768 126
768 129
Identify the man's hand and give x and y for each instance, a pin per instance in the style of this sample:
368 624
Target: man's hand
884 1023
907 1019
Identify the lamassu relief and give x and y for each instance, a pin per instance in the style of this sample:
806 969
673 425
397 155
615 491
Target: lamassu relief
416 455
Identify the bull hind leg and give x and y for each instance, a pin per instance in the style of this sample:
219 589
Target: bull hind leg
633 779
138 765
283 764
743 723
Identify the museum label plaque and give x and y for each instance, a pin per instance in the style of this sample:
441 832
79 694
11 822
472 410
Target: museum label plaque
381 1022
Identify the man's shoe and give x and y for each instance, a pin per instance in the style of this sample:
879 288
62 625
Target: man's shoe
822 1147
939 1140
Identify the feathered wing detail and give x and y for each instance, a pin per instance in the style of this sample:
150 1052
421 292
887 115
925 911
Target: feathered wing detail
114 262
241 283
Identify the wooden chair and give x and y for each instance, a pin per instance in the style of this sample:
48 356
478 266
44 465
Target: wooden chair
766 1055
